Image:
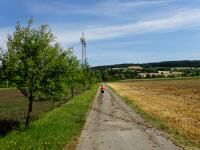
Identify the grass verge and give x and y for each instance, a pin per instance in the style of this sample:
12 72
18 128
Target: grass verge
54 129
176 136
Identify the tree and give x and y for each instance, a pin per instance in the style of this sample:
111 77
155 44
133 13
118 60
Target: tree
1 66
97 76
73 71
5 75
105 76
35 63
1 61
88 76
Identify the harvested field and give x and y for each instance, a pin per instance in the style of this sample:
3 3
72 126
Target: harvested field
176 102
13 109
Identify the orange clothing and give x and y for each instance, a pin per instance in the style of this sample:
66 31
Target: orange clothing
102 88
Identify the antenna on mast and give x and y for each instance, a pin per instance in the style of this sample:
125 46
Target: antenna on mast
83 43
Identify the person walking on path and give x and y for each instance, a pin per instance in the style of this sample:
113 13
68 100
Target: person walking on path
102 89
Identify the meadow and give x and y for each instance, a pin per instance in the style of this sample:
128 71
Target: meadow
13 110
174 102
56 129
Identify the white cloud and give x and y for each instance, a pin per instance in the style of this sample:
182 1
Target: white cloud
181 20
105 8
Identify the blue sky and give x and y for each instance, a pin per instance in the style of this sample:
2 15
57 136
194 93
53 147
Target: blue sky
117 31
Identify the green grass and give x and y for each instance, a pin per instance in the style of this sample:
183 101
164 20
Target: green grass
54 129
5 89
13 104
158 123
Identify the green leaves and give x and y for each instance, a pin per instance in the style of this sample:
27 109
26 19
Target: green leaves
34 60
39 65
40 68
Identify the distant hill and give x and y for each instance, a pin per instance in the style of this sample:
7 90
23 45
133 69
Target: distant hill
182 63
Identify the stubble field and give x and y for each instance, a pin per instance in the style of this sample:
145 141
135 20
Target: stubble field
176 102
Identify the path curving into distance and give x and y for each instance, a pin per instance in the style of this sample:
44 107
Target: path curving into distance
112 125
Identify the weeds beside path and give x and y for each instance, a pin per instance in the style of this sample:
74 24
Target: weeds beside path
54 129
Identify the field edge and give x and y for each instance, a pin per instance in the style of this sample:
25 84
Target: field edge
56 129
174 135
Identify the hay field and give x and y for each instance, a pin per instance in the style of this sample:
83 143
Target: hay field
176 102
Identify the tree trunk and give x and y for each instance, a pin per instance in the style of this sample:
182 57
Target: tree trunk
7 83
84 86
29 111
72 92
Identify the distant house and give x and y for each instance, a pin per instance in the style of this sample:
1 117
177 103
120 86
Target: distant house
142 75
164 73
160 74
148 75
170 73
177 74
154 75
130 68
117 68
183 68
136 68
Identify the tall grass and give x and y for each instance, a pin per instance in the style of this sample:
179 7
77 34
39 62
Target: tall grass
54 129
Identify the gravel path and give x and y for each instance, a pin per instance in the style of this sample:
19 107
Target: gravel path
112 125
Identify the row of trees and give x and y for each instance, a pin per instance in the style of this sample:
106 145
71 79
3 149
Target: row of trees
113 75
121 74
40 68
164 64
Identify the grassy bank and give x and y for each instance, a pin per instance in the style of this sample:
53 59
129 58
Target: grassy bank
177 136
54 129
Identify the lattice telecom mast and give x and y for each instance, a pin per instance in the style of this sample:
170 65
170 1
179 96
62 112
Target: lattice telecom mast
83 43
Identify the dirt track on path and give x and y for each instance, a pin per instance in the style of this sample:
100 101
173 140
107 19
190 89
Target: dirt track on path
112 125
